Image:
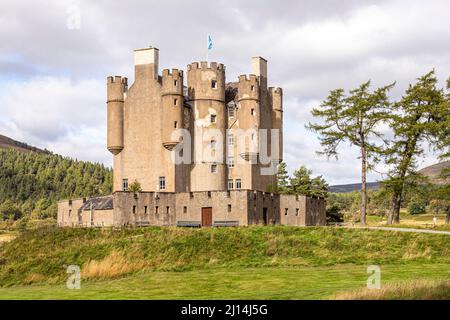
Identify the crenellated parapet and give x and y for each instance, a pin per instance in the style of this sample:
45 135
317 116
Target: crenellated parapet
248 88
172 82
276 98
116 88
206 81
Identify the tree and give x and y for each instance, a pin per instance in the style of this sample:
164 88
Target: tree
354 118
282 178
417 118
319 187
442 201
135 187
302 183
8 211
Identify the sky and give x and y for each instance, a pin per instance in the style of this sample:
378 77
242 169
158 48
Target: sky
55 57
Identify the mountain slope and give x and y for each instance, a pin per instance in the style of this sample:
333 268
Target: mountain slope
32 182
433 173
8 143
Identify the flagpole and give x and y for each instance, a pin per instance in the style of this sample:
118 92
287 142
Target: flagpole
207 47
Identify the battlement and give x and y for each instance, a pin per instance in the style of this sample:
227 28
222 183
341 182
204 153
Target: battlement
204 65
175 73
276 90
172 82
117 79
276 96
248 87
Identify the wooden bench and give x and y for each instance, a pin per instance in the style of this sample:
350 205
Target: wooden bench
142 223
226 223
190 224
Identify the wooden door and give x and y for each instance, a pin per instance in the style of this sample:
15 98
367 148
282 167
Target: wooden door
206 217
265 217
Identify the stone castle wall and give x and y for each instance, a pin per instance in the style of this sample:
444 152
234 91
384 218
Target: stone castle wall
245 207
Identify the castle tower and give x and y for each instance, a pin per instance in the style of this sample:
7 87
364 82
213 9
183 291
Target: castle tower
276 98
172 106
249 115
206 92
146 63
116 89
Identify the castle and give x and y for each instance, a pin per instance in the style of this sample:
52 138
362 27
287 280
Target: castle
205 154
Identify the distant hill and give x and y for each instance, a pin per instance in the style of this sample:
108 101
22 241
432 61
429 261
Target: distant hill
433 173
344 188
32 179
8 143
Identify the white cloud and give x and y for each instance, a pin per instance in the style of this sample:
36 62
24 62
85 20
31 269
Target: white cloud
312 47
58 114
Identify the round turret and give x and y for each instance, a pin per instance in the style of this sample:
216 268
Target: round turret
276 98
116 88
206 92
173 106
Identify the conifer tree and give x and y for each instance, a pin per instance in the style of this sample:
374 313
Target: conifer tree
420 116
354 118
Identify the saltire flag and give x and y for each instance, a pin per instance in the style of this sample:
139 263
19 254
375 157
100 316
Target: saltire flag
209 42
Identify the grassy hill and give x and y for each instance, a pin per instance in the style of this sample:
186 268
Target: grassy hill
32 182
434 172
8 143
252 262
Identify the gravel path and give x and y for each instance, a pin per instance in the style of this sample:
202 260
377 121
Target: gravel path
409 230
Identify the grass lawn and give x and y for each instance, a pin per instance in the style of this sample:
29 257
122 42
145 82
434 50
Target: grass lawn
232 283
275 262
419 221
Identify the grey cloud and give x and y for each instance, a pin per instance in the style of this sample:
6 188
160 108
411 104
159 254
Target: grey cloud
312 47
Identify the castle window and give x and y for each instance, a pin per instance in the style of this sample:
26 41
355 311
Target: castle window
252 112
209 194
238 183
252 136
285 211
231 112
213 168
214 84
184 209
252 88
230 162
213 144
213 118
175 102
156 210
145 209
125 185
70 202
230 184
175 124
134 209
162 183
228 193
70 212
229 208
167 210
175 82
296 211
230 139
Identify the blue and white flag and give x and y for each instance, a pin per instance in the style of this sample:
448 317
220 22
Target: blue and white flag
209 42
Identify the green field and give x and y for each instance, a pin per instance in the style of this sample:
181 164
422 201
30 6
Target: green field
237 263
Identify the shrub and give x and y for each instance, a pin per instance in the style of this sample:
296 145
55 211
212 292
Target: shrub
416 208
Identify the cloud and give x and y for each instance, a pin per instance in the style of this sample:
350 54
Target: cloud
58 114
312 47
